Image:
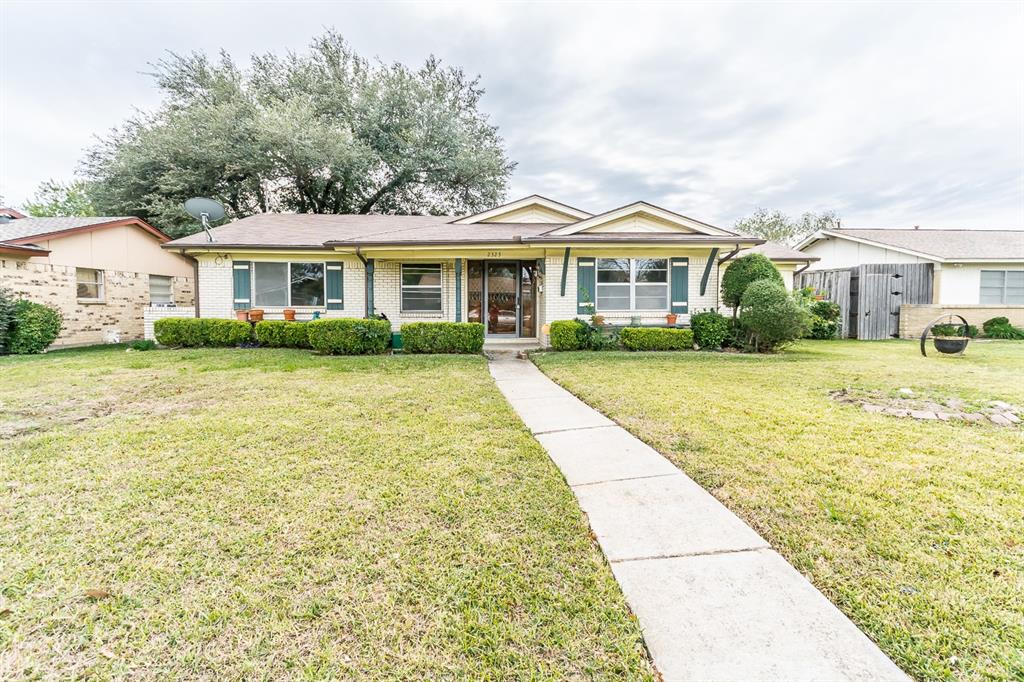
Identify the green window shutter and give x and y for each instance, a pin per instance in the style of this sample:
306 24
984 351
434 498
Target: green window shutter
586 291
335 286
680 285
243 284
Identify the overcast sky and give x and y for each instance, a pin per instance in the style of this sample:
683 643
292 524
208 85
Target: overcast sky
890 114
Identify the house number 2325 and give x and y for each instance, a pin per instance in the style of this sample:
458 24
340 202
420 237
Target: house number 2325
494 254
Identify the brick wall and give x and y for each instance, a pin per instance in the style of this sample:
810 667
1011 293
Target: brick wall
126 296
914 318
151 315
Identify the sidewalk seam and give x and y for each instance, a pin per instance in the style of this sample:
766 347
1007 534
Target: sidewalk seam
710 552
628 478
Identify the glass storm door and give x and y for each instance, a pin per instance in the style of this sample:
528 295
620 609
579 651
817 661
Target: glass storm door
502 298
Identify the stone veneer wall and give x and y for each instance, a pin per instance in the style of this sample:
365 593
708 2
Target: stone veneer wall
126 295
914 318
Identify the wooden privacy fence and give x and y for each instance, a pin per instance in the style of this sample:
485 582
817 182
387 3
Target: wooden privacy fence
870 295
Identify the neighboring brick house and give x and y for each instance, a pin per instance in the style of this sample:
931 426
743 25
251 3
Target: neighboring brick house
102 273
516 268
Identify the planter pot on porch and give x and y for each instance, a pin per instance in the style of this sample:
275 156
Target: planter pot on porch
256 315
289 314
242 315
671 318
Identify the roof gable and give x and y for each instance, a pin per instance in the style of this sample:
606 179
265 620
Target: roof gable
531 209
937 245
641 217
27 230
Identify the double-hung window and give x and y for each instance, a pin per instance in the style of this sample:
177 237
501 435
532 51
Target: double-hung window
288 284
89 284
421 287
1004 287
160 290
632 284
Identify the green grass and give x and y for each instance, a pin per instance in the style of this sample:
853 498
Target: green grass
914 529
265 514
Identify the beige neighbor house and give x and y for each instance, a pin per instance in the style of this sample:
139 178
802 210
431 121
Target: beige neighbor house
105 275
978 274
515 268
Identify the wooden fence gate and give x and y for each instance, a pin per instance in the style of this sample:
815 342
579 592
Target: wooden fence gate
869 296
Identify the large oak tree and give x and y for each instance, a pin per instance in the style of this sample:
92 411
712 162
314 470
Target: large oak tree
320 132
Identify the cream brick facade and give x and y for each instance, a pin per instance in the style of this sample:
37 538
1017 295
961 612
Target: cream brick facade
119 315
914 318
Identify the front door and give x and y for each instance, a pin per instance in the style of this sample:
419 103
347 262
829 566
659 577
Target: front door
501 292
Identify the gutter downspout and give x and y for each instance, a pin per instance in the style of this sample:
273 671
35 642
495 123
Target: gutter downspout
368 264
195 280
806 265
730 255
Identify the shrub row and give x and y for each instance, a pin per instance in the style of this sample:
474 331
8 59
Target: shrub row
282 334
443 337
194 332
349 336
656 338
1000 328
26 327
710 329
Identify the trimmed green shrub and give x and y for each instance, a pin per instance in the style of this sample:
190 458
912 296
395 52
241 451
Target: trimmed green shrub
656 338
995 322
35 328
770 317
744 271
710 329
142 345
443 337
282 334
1005 331
826 310
347 336
192 332
954 330
7 302
567 334
821 329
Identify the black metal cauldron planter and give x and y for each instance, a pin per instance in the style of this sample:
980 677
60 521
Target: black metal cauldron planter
948 345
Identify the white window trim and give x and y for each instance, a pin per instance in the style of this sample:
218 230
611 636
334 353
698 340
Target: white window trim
101 286
402 286
1002 297
632 284
288 284
169 303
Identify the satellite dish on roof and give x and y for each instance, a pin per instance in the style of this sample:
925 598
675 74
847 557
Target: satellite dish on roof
204 210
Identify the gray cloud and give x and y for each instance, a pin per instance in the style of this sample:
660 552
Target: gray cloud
892 114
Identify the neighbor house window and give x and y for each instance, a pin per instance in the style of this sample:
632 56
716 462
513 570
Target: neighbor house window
421 287
160 290
89 284
632 284
1002 286
288 284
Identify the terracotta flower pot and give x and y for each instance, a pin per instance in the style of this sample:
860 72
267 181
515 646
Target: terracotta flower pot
256 315
242 315
289 314
671 318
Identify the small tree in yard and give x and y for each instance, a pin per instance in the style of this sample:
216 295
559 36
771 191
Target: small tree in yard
742 273
770 317
7 302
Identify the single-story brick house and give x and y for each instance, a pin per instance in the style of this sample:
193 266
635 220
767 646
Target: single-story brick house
101 273
515 268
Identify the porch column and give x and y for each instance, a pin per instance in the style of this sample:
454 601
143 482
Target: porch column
369 287
458 290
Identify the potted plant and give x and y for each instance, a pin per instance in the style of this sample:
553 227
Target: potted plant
256 315
242 315
289 314
671 319
597 320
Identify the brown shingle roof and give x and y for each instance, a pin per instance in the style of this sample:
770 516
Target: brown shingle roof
946 244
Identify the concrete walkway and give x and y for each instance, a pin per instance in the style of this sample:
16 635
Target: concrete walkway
715 602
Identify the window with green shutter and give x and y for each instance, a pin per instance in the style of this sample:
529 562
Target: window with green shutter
585 285
242 285
680 285
335 286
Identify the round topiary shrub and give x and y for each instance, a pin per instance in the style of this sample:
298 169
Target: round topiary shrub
769 316
35 327
744 271
710 329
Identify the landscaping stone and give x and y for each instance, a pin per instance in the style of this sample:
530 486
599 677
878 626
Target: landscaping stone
973 417
871 407
906 391
999 419
896 412
1000 405
922 414
1014 419
946 416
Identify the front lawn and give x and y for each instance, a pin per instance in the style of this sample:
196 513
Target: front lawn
260 514
914 528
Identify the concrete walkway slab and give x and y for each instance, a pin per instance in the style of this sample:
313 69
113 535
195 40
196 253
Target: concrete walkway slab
713 601
603 454
745 616
662 516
